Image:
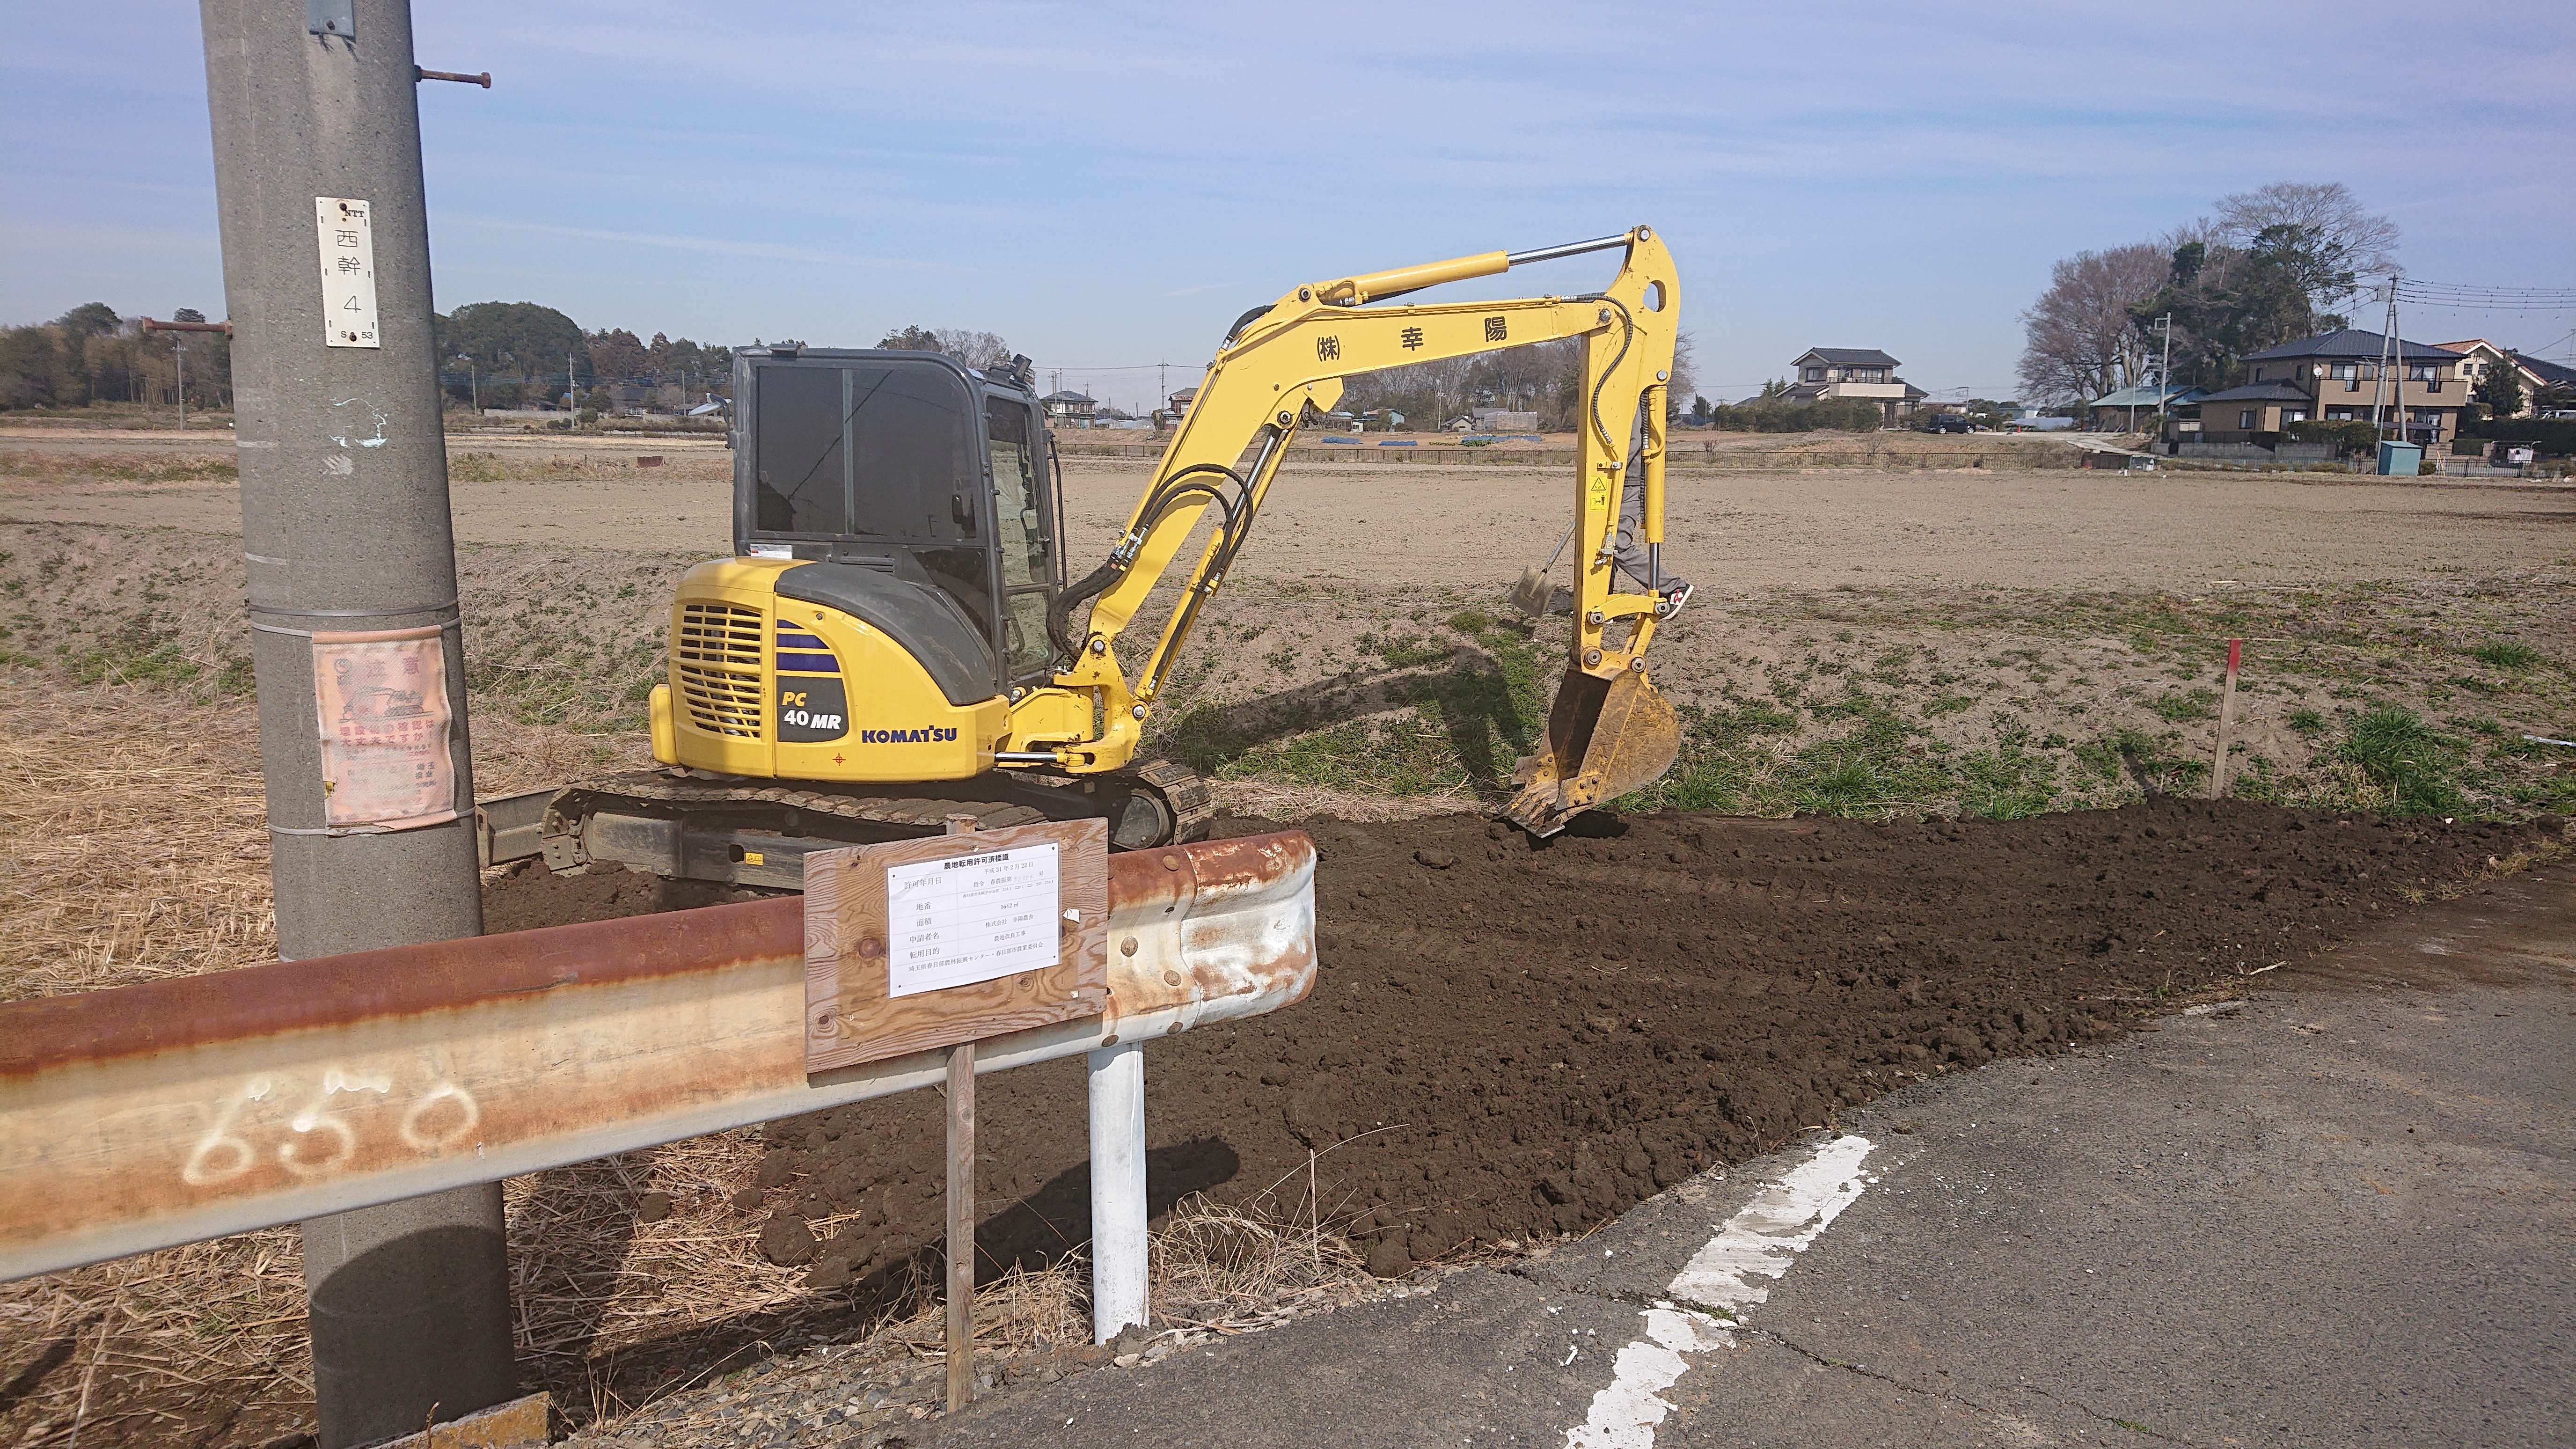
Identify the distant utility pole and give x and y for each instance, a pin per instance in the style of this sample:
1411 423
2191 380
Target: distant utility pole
2392 374
179 350
352 593
2164 372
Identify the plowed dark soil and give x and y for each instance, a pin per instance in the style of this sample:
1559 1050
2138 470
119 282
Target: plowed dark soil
1511 1039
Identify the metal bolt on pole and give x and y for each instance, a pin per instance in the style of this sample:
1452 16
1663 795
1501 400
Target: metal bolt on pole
345 529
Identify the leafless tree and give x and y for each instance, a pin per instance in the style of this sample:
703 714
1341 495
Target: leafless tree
1685 370
2326 211
975 349
2078 339
978 350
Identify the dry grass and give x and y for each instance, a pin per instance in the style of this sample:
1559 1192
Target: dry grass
1217 1270
591 1278
136 838
201 1344
175 466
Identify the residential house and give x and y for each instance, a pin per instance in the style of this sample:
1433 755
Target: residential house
1069 407
2540 372
1853 372
2334 377
2484 357
2132 407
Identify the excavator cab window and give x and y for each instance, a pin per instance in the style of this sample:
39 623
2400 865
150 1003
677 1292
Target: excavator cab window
1020 519
911 464
872 449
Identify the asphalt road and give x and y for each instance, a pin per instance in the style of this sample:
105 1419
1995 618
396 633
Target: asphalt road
2343 1213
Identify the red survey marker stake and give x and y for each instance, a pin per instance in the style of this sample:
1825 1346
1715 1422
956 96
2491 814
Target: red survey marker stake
2226 712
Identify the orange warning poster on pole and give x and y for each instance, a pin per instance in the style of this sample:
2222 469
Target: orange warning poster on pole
381 699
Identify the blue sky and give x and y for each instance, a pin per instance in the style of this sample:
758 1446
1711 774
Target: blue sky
1109 185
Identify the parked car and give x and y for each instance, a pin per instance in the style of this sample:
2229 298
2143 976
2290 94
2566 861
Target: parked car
1949 423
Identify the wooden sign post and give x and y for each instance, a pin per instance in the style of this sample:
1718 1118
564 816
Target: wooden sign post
916 945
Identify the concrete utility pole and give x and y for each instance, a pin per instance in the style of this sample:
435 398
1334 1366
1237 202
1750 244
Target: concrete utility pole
345 528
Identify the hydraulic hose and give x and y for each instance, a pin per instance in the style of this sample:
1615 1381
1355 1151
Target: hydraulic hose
1627 332
1157 502
1246 320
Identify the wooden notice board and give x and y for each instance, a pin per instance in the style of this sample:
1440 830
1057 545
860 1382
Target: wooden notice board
918 944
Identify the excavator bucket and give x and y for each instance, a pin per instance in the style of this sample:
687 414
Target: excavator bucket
1605 737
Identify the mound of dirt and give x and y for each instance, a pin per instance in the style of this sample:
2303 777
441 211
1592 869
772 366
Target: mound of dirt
1514 1039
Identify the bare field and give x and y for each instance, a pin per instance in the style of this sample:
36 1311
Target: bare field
1389 526
1976 640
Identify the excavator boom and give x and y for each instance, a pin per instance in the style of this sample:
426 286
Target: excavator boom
1283 367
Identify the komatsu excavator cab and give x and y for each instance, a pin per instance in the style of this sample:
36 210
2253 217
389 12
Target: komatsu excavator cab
850 672
895 548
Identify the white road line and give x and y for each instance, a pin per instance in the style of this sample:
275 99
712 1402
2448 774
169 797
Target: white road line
1759 1242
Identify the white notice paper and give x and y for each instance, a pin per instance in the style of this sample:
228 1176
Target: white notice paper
348 237
970 918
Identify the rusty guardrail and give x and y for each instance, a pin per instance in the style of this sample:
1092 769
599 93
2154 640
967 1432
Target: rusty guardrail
173 1111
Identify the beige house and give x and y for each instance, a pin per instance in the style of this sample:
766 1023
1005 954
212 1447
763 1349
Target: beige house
2479 357
2335 377
1863 373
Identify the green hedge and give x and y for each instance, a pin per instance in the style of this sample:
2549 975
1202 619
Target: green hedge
1850 416
2556 436
2359 436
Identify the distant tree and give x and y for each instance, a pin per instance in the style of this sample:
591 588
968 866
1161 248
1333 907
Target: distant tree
1685 365
2343 242
187 314
2226 302
2079 340
31 367
515 341
2500 391
1699 409
975 349
92 317
618 354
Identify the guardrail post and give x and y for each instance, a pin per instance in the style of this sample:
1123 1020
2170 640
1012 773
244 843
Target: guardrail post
345 529
1118 1251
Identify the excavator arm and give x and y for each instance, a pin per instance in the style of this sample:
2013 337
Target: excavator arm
1283 367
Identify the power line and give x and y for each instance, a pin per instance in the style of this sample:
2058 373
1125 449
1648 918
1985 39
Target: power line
2469 297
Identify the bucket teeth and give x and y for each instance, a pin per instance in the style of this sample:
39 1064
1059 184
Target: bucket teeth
1605 737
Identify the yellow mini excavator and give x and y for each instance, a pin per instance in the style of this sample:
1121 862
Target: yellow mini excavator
896 640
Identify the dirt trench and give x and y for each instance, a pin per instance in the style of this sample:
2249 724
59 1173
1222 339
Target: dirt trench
1511 1039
